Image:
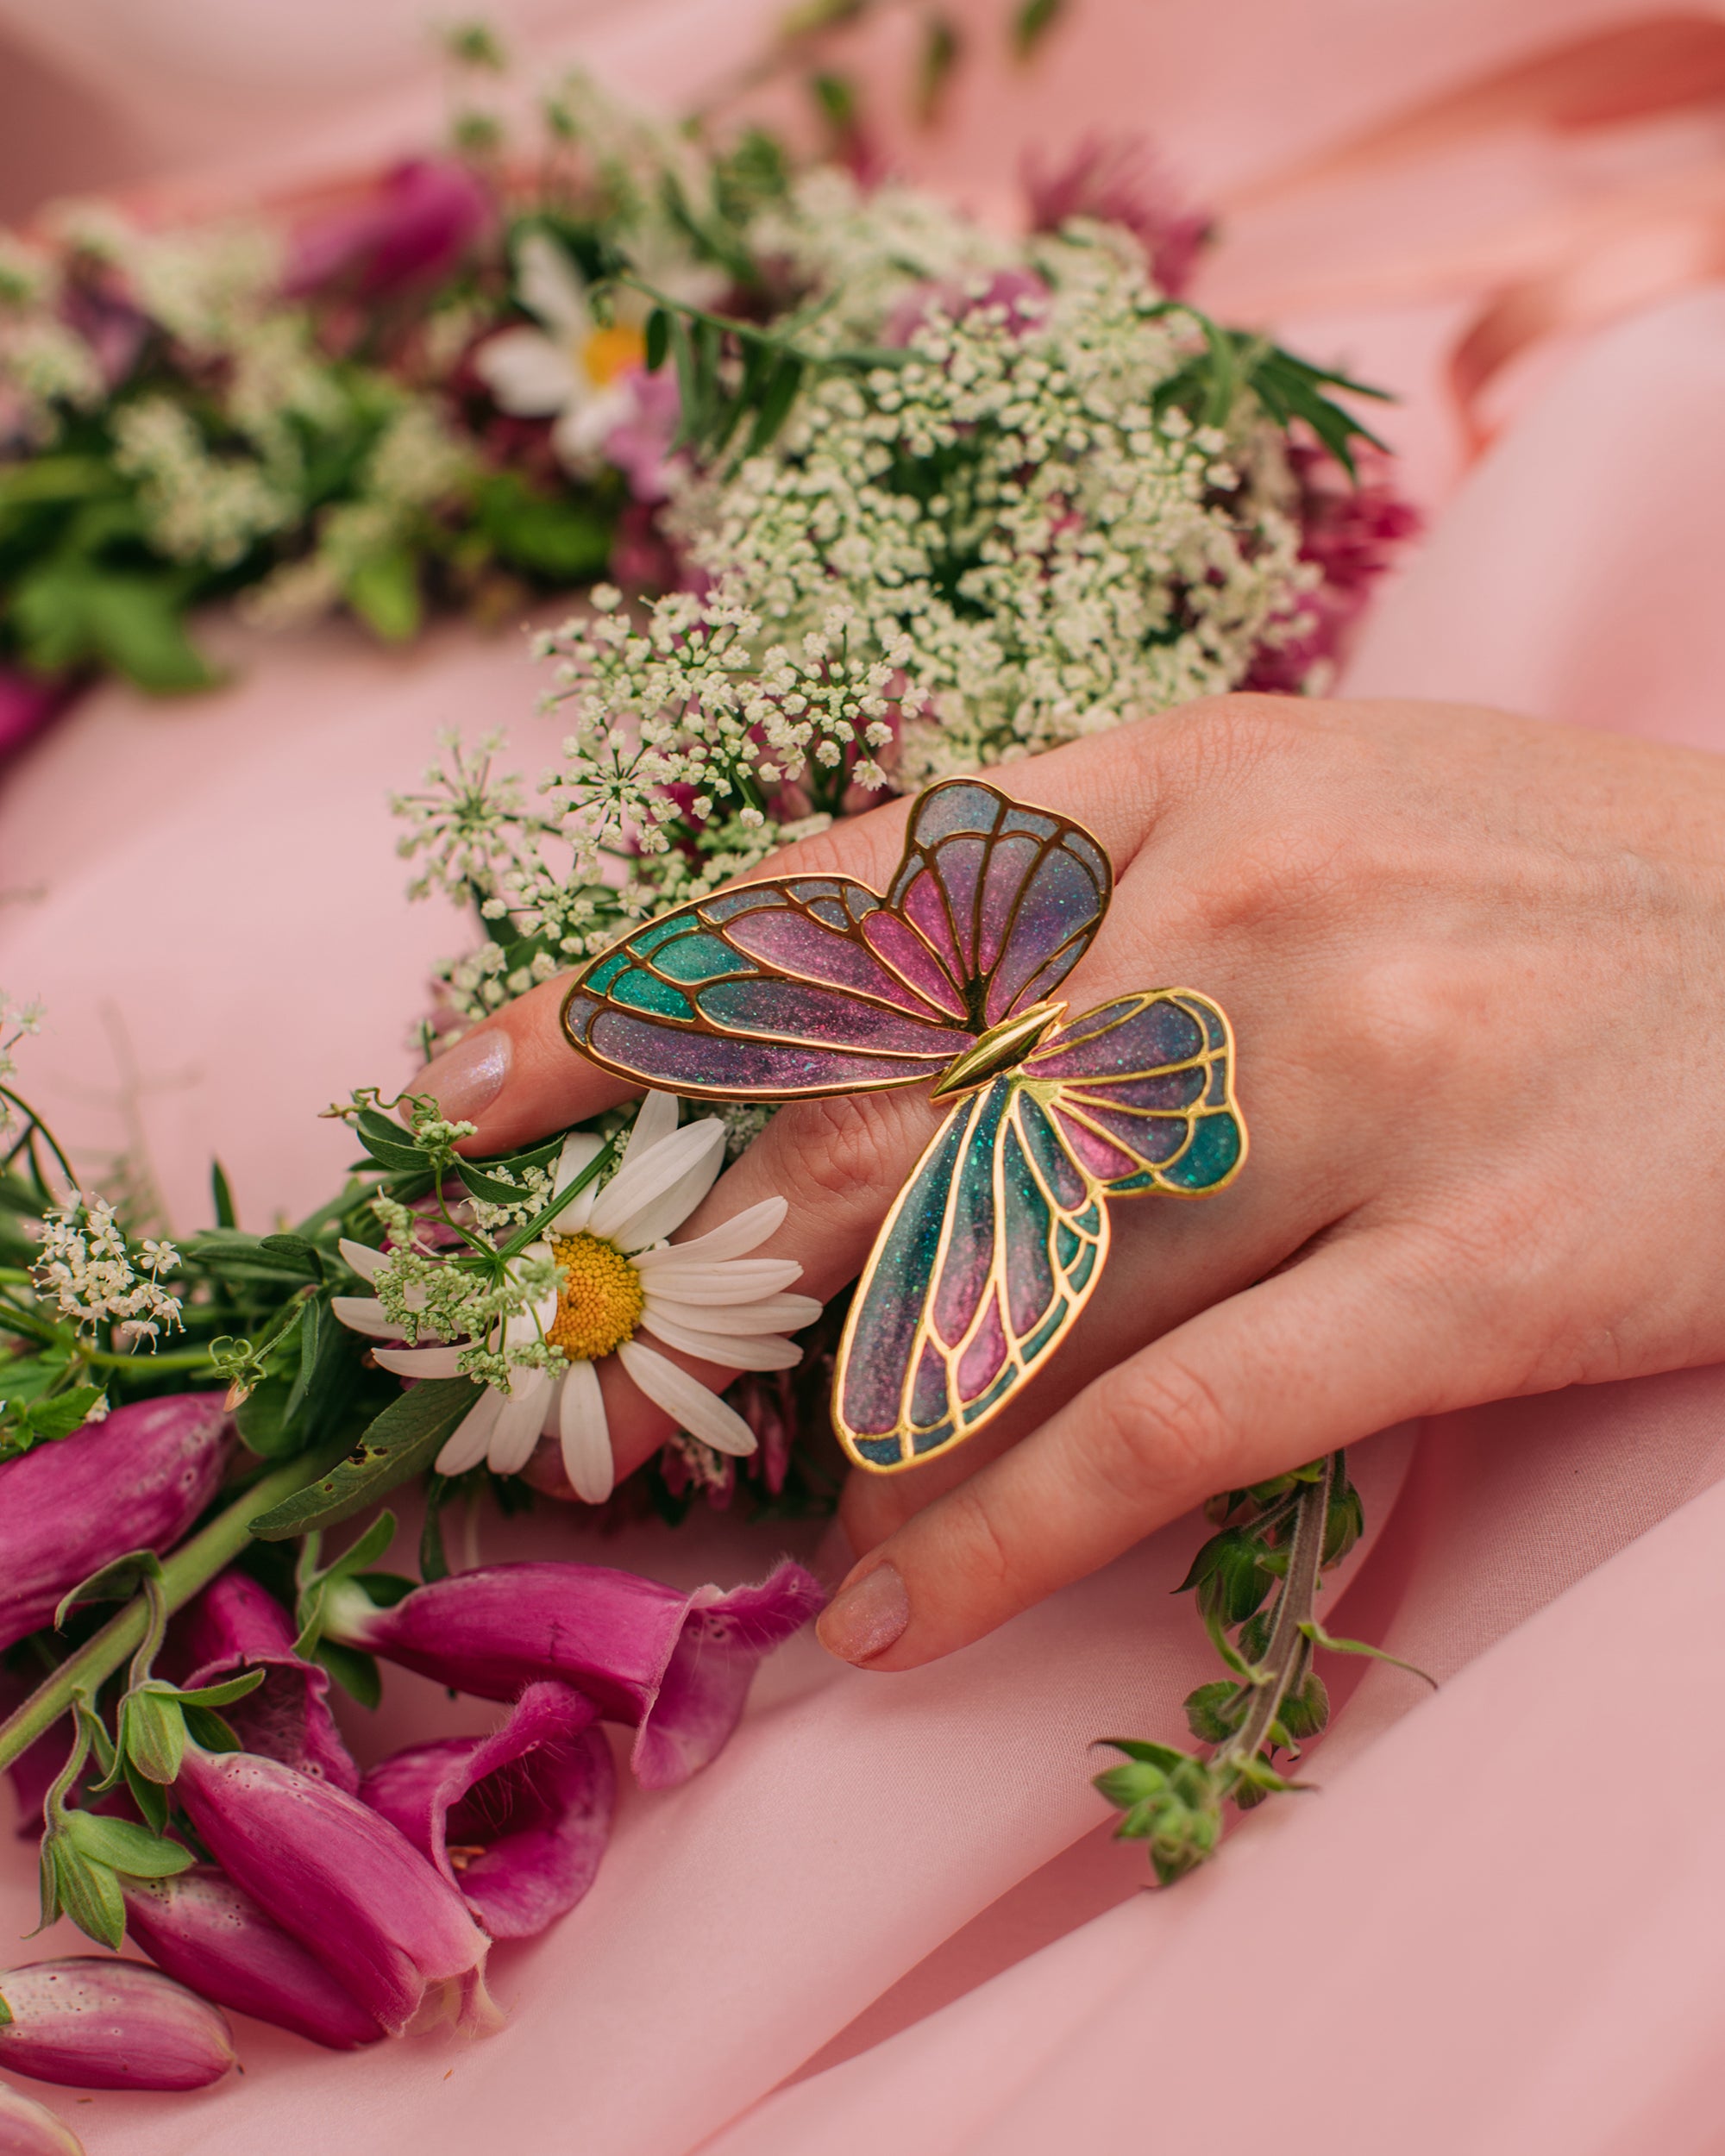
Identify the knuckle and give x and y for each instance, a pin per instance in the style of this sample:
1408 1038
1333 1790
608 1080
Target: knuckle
1403 1018
1162 1435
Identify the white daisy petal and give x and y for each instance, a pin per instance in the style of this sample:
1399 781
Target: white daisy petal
366 1261
467 1447
730 1351
551 287
655 1221
700 1412
436 1361
580 1149
734 1280
526 373
517 1426
587 421
585 1434
364 1313
639 1181
731 1239
654 1121
770 1313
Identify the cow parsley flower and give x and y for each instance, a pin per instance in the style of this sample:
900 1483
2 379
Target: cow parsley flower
88 1272
532 1329
17 1021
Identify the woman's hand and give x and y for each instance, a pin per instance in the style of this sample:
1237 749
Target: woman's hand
1475 968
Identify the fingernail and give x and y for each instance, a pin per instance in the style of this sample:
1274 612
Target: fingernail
469 1076
865 1619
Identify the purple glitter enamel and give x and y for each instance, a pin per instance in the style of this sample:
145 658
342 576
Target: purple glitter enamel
664 1056
924 905
799 1011
901 946
795 943
981 1363
1010 865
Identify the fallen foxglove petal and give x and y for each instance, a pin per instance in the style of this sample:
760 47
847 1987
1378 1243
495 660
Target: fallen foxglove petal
30 2128
517 1820
89 2023
346 1885
202 1930
675 1666
234 1626
135 1481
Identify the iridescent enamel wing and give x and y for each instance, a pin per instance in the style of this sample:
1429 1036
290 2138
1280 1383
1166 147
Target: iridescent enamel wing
801 985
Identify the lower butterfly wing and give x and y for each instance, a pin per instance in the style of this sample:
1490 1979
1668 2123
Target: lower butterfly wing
1140 1093
984 1261
995 1244
793 985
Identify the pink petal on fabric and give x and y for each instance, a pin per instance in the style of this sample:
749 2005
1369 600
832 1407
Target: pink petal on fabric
675 1667
234 1624
30 2128
346 1885
136 1481
515 1821
89 2022
206 1932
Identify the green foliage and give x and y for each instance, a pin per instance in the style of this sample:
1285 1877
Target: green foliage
1032 21
402 1441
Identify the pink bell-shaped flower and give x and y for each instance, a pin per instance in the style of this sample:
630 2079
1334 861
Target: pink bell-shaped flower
91 2023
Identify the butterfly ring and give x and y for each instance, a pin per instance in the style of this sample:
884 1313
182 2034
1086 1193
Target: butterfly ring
802 985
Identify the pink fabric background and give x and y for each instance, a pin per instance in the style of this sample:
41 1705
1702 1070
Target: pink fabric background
1495 1931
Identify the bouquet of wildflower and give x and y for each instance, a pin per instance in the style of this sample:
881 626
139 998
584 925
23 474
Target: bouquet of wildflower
881 496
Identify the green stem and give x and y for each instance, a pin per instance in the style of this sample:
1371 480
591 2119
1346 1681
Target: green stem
1289 1646
176 1359
193 1566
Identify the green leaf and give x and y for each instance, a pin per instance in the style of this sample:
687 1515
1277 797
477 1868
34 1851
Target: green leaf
657 340
123 1845
150 1797
222 1695
1031 22
90 1894
1215 1711
403 1441
479 1178
936 61
262 1420
1305 1708
1167 1756
565 538
384 591
294 1251
779 395
71 612
221 1196
434 1563
208 1730
115 1582
5 2014
48 1419
1315 1633
354 1671
388 1143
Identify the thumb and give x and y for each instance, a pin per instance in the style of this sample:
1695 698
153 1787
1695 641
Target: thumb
1314 1358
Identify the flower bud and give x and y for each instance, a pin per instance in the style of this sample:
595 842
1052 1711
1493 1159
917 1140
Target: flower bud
346 1884
517 1820
233 1626
135 1481
30 2128
202 1930
675 1666
89 2023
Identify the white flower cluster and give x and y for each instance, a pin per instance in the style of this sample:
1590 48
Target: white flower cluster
1004 533
198 507
17 1021
88 1272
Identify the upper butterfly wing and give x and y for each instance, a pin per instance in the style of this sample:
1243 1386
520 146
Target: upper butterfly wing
1007 897
1140 1095
984 1261
793 985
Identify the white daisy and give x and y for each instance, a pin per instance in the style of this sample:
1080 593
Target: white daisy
619 1278
575 367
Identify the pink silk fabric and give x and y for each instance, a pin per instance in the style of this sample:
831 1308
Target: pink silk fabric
890 1914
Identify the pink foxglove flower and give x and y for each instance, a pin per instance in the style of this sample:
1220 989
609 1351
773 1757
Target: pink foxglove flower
1121 183
346 1885
30 2128
27 705
89 2023
206 1932
135 1481
236 1626
517 1821
674 1666
412 227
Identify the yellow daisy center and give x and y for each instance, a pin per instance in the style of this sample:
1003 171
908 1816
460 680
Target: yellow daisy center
608 352
600 1302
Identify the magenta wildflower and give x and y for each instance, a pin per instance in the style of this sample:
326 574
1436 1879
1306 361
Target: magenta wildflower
346 1885
30 2128
676 1667
202 1930
136 1481
89 2022
236 1626
27 704
517 1820
1121 183
411 228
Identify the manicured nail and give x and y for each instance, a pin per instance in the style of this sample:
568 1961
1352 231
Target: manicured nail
867 1617
469 1076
